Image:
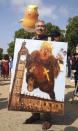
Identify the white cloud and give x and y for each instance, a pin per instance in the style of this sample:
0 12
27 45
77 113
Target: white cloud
17 2
63 11
22 4
48 12
43 10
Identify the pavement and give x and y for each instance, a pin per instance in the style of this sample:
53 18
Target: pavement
13 120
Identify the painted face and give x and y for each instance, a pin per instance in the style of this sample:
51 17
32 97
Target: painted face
76 49
45 53
40 29
31 14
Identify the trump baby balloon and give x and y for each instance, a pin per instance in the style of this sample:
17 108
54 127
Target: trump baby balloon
30 18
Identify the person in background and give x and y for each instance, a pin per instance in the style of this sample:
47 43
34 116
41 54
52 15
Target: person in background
76 69
72 68
69 66
0 67
10 65
56 36
5 66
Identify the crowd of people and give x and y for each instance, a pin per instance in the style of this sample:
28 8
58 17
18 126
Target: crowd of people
72 66
6 65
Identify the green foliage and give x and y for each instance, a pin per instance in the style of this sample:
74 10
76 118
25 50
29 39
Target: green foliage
72 33
51 28
18 34
48 28
22 34
1 53
62 37
10 50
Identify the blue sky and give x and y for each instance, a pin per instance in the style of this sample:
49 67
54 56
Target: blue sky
11 11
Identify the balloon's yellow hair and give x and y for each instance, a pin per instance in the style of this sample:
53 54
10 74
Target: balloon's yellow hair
32 7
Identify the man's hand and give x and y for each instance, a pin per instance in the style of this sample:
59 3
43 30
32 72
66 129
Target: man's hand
74 71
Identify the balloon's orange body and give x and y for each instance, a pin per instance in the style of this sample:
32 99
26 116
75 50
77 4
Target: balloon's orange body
30 18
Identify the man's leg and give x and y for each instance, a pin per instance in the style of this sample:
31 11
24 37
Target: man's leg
35 117
47 122
76 86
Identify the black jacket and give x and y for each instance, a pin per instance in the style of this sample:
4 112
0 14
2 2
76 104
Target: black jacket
76 68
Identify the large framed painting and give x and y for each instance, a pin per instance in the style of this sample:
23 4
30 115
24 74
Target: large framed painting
38 76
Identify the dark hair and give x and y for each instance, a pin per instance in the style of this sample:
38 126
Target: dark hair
56 34
6 57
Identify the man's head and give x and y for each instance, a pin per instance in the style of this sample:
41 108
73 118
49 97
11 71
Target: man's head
40 28
56 36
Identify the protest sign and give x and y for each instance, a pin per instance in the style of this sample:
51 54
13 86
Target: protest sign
38 76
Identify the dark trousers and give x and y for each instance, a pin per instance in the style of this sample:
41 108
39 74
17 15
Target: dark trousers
47 116
76 85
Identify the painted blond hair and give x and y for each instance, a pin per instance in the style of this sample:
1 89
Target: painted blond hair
46 44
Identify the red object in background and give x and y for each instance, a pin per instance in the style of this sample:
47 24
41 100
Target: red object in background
5 68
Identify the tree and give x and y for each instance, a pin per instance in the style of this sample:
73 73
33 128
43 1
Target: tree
1 53
72 34
18 34
22 34
51 28
10 50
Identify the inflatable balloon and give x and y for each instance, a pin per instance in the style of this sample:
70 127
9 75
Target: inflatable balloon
30 18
